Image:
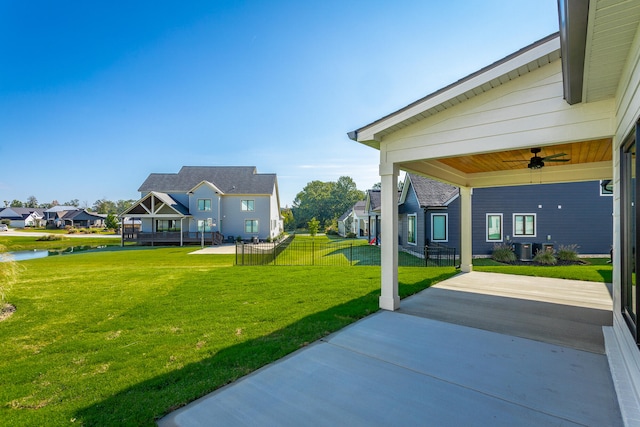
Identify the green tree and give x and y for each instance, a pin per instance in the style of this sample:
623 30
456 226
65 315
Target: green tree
313 225
17 204
111 221
73 202
289 221
314 201
123 205
344 195
104 206
32 202
325 201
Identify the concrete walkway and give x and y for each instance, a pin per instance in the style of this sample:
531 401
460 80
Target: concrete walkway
516 366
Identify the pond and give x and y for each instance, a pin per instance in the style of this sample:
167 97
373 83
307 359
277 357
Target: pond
43 253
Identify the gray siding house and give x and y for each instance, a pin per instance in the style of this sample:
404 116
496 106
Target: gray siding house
577 213
223 202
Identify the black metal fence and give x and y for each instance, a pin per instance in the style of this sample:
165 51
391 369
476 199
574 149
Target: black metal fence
308 252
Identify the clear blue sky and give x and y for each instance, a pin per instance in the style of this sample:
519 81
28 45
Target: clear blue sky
94 96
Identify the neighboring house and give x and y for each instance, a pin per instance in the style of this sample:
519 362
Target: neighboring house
53 216
372 210
23 217
427 213
81 218
574 95
355 220
234 201
553 214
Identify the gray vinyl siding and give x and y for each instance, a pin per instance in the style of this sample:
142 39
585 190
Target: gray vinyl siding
233 217
585 217
409 207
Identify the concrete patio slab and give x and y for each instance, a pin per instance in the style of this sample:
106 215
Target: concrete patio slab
396 368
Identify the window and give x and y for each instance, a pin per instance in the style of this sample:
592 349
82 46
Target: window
204 204
524 225
494 227
439 227
203 223
251 226
411 229
166 225
247 205
606 187
629 256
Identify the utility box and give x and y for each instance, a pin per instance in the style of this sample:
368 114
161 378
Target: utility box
523 251
546 247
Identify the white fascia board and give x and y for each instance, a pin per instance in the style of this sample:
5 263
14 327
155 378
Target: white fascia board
209 184
369 133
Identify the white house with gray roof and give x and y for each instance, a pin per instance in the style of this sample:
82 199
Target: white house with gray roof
223 201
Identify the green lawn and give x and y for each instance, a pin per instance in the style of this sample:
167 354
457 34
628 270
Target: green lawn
123 336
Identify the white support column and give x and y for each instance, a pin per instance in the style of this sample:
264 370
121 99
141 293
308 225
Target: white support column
466 237
389 299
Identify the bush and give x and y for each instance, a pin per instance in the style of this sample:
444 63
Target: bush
50 238
568 253
545 258
71 230
351 235
238 239
503 253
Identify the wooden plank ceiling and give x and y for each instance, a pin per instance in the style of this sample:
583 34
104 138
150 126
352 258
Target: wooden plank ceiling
576 153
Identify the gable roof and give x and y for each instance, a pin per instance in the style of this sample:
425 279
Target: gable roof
429 192
19 213
229 179
167 204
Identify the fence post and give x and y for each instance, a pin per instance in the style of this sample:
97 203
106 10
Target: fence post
351 254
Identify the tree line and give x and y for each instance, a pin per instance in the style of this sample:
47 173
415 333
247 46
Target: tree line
101 206
323 201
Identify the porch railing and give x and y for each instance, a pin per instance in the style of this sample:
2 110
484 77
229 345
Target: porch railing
172 237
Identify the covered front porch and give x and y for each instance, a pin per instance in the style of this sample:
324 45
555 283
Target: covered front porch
476 349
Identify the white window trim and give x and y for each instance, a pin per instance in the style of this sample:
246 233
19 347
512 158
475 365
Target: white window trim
486 228
535 226
415 231
204 210
446 225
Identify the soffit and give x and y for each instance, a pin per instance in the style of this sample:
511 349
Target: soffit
612 28
576 153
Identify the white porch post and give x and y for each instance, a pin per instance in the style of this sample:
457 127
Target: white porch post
389 299
181 232
466 250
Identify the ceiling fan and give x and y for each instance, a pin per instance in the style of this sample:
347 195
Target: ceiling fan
538 162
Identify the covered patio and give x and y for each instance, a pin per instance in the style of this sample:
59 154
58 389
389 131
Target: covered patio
477 349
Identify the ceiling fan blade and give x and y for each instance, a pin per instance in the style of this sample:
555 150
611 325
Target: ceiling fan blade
557 160
553 156
505 161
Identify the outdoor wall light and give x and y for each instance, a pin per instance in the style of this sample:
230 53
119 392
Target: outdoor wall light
508 238
539 206
559 206
548 236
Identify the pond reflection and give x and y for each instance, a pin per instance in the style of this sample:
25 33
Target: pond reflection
43 253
